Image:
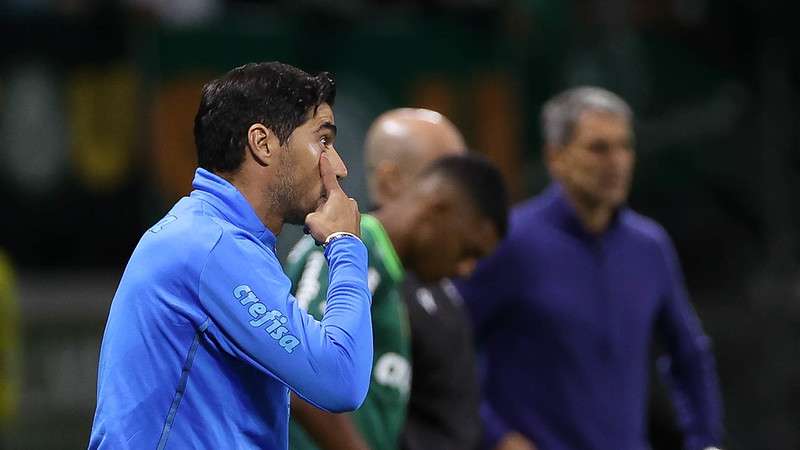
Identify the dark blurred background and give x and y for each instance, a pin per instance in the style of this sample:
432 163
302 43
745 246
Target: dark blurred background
96 144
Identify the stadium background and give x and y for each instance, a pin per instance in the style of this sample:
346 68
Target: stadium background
97 100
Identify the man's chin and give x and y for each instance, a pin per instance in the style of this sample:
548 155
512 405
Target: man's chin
612 198
618 198
297 218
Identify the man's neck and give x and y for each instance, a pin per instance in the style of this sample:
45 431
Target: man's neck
594 217
263 207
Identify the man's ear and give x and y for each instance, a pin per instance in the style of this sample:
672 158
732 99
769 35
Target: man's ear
425 217
551 156
388 180
262 144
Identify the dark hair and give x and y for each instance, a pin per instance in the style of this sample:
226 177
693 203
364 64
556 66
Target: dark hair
276 95
480 181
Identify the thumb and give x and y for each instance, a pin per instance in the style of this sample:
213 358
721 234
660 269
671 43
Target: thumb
329 180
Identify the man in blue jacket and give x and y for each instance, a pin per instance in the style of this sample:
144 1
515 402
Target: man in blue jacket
567 307
204 340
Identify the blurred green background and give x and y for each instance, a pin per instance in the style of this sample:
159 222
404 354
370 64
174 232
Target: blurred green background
98 97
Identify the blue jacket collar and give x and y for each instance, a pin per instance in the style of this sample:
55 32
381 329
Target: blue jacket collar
230 203
562 213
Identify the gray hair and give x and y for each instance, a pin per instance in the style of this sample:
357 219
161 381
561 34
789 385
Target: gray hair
561 113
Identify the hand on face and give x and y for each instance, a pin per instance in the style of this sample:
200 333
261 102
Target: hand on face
336 211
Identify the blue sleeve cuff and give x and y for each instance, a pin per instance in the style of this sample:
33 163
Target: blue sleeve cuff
345 243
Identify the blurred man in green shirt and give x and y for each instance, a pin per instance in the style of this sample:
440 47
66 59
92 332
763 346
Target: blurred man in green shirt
430 221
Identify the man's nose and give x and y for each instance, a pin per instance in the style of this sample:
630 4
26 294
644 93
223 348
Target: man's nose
338 165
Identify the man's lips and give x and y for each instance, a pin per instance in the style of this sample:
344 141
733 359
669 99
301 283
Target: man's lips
614 180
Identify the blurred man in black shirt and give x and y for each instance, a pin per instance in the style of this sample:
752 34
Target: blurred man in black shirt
443 408
443 404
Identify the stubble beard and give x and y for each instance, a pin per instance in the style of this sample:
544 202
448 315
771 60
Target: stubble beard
293 214
286 199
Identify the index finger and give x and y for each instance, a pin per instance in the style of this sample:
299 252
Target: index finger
329 180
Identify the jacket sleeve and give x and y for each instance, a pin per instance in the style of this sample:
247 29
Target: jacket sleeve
380 418
253 316
689 369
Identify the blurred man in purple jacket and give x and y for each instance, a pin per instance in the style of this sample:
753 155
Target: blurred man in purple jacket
567 308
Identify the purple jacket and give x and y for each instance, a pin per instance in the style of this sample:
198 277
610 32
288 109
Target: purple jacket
565 321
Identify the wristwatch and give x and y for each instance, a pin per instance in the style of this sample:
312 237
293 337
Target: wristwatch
338 235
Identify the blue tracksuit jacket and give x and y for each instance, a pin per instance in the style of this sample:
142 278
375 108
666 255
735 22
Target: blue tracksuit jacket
204 339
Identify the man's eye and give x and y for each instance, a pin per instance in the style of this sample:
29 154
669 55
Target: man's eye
599 147
325 140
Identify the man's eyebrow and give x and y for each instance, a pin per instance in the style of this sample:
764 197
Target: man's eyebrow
328 126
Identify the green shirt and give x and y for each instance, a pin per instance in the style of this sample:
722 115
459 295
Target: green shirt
381 418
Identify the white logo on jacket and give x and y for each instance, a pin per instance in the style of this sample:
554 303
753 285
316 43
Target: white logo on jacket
258 311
